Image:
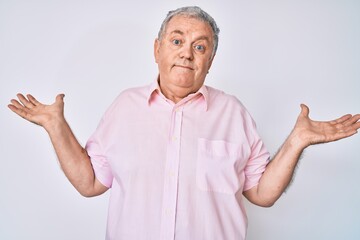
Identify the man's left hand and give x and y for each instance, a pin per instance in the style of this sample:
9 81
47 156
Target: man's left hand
311 132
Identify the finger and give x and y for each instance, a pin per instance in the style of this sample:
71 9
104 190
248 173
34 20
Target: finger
20 111
355 126
16 104
352 120
350 130
33 100
24 101
304 110
12 108
341 119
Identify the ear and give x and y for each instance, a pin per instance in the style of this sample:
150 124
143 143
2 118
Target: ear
156 49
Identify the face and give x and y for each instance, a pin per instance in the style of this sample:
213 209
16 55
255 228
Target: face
184 56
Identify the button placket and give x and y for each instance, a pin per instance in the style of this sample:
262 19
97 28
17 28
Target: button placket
171 178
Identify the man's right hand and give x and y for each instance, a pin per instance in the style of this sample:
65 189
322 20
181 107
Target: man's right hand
73 158
32 110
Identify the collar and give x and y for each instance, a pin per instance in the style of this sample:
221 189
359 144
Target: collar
154 91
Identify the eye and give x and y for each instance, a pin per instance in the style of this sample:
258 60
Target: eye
200 48
176 42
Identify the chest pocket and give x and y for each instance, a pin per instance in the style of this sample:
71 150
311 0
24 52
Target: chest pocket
219 166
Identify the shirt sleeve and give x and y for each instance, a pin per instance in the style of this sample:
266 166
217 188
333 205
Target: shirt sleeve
97 154
258 159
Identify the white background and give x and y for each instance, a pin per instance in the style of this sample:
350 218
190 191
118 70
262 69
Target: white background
273 55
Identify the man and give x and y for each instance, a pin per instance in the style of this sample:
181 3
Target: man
179 155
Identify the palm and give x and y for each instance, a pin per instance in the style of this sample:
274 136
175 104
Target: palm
314 132
32 110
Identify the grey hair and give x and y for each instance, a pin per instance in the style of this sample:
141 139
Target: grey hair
197 13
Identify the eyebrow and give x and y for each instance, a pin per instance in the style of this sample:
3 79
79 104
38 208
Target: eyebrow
182 33
178 32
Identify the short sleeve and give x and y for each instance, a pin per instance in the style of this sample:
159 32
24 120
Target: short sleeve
99 160
258 159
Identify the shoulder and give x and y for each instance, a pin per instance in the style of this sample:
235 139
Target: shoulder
218 98
133 94
130 98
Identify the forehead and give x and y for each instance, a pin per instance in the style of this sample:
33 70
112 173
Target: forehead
188 25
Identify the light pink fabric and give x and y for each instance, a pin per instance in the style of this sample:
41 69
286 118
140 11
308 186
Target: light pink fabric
177 171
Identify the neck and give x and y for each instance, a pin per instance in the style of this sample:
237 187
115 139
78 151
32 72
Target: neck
175 94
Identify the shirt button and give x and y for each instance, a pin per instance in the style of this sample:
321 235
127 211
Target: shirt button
167 212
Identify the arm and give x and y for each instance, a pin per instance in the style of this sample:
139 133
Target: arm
72 157
306 132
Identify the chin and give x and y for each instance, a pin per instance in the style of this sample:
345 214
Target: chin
184 82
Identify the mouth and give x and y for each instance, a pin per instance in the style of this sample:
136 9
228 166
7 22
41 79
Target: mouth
183 66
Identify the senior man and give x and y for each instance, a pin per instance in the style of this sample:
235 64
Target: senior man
178 155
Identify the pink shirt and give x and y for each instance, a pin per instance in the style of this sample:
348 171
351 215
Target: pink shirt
177 171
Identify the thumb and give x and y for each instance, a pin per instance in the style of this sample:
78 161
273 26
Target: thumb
304 110
60 97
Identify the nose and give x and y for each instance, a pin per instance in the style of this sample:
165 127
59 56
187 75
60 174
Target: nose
186 52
